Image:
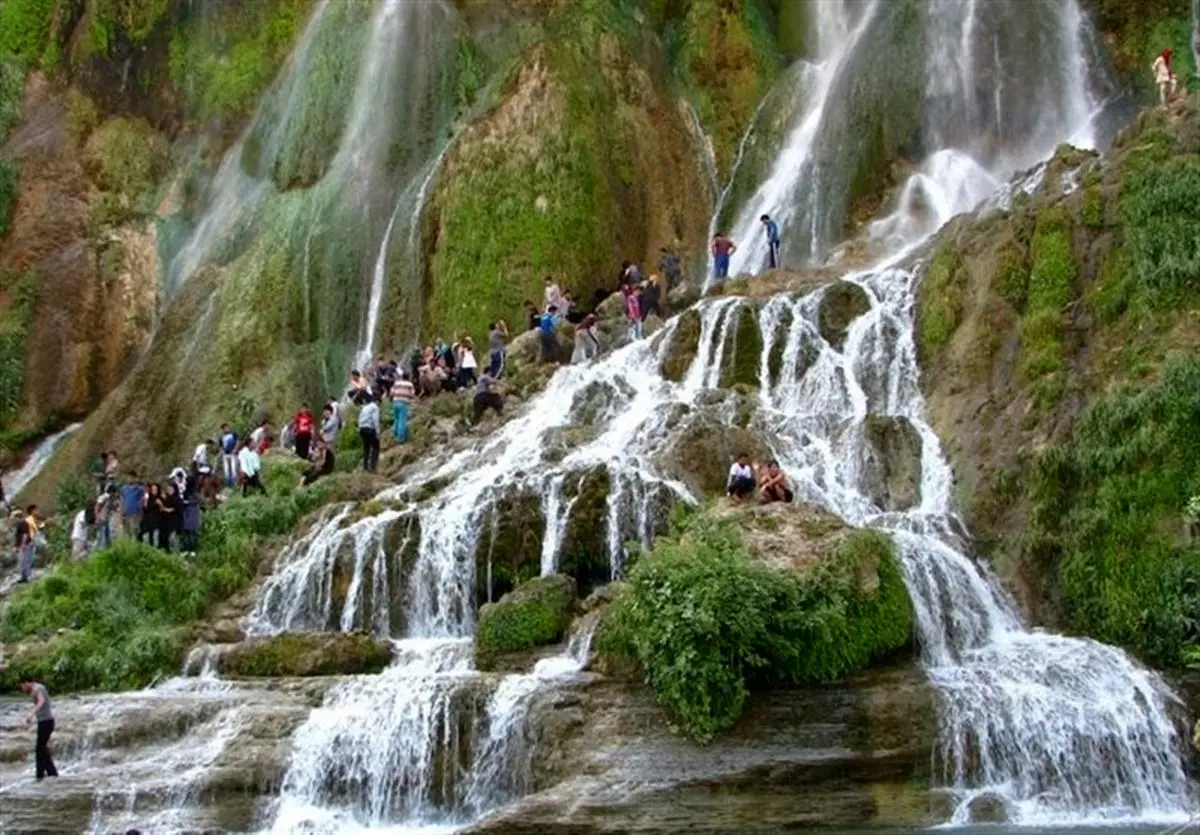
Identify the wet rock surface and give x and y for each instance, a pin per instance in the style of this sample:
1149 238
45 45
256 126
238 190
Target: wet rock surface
893 475
852 754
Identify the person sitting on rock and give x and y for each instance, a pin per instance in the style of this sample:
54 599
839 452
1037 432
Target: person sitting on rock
487 396
323 463
773 486
741 481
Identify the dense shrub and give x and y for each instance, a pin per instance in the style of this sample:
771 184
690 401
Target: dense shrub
535 613
24 28
706 623
1108 518
1162 233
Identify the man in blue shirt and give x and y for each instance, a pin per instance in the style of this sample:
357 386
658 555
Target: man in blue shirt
547 325
772 229
133 495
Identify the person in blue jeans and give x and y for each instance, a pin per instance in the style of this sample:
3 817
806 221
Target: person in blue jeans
772 230
722 248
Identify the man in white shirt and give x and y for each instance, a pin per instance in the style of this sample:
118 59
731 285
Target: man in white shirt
200 456
741 482
251 467
368 430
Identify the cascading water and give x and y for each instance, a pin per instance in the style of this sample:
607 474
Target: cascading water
1001 82
16 481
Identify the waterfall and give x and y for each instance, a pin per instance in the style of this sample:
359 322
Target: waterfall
19 479
999 82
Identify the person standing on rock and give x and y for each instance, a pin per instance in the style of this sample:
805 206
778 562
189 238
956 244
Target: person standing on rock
1164 76
331 425
25 538
403 393
547 336
741 482
229 468
633 312
652 297
772 230
552 294
303 427
133 497
368 430
722 249
587 346
251 467
497 334
43 714
201 453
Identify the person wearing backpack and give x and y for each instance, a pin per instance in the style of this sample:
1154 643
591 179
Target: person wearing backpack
302 428
229 445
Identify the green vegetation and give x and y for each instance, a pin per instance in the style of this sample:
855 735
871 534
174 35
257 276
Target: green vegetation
706 623
743 351
112 22
24 29
125 158
941 301
222 65
1162 231
15 322
1050 289
727 58
308 654
535 613
1109 518
119 618
1141 31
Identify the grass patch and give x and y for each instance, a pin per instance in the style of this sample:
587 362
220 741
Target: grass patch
1108 518
706 624
941 301
25 28
1051 286
1162 231
121 617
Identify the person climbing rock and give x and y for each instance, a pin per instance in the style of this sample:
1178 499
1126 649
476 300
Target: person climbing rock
323 463
547 334
403 393
772 230
229 442
497 335
43 714
587 345
302 426
668 265
368 430
487 396
722 249
774 486
331 425
251 467
741 482
633 312
1164 75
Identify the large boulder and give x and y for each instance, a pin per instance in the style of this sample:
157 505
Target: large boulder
509 551
306 654
534 614
685 342
893 468
700 452
841 304
584 552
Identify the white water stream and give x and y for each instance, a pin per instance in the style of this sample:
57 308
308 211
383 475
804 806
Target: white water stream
18 479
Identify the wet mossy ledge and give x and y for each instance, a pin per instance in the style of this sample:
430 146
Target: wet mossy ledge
303 654
536 613
745 598
1057 346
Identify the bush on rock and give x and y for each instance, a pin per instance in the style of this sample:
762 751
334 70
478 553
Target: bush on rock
706 622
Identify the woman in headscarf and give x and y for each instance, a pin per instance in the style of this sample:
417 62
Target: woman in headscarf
1164 76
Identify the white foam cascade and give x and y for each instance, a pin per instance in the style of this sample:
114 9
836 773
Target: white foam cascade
19 479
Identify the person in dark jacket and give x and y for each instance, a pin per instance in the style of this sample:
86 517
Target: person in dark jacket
652 298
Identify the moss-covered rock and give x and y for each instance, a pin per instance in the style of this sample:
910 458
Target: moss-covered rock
584 551
742 358
685 342
509 552
699 453
534 614
841 304
306 654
